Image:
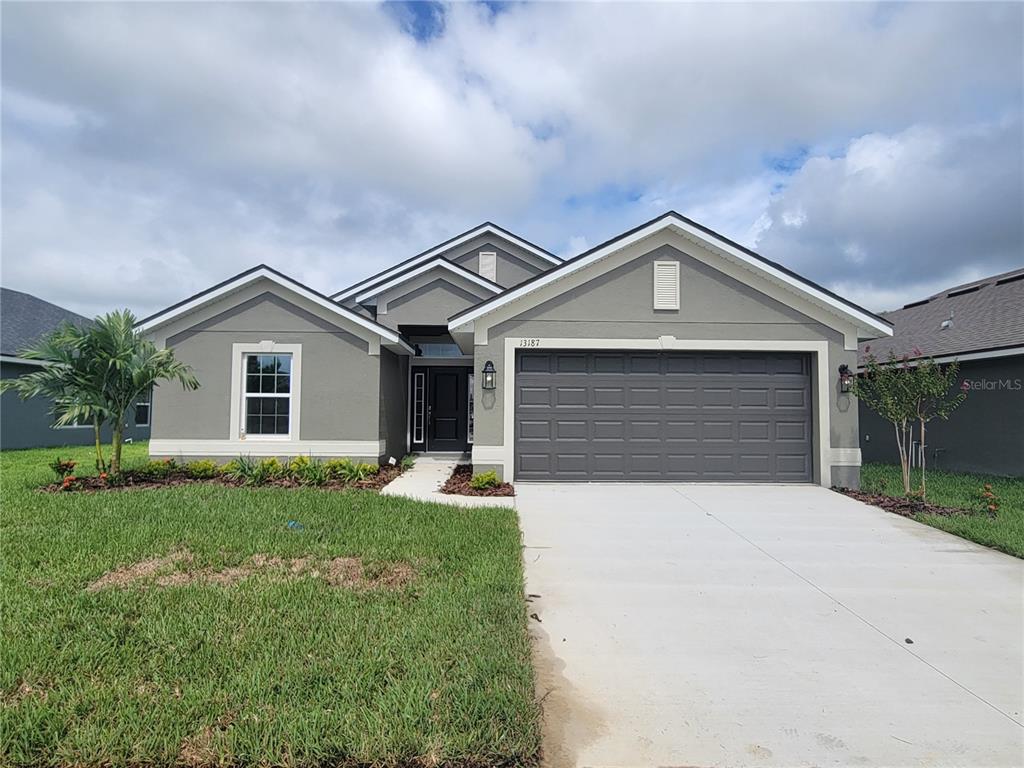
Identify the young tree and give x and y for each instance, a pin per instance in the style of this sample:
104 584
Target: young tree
129 365
68 378
903 393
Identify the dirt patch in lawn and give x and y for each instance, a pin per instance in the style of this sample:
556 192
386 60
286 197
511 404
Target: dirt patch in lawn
23 691
459 484
904 506
173 570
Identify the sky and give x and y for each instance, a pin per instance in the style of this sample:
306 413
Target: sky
151 150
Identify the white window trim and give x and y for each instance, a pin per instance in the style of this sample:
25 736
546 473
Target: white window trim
238 354
419 407
826 457
149 413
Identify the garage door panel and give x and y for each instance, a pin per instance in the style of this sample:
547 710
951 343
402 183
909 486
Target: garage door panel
663 416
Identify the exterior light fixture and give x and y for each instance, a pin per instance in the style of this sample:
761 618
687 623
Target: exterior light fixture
488 380
845 378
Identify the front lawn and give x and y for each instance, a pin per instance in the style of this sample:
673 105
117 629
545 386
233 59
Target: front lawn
1004 532
202 625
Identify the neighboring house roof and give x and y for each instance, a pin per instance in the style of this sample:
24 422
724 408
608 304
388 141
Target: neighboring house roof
980 318
863 318
487 228
417 270
24 318
262 271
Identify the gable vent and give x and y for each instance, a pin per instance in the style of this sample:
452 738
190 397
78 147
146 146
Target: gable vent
489 265
666 285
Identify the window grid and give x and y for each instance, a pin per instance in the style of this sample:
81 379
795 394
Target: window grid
418 397
142 408
469 425
268 394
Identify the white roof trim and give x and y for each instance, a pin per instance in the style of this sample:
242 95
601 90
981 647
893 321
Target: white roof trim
484 229
263 273
473 277
965 357
680 225
22 360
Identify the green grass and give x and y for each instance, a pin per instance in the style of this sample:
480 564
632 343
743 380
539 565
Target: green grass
1004 532
264 672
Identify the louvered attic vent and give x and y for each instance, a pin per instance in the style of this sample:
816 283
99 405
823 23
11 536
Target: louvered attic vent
666 285
489 265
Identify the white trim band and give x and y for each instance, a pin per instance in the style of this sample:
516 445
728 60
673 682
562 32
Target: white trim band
252 447
422 270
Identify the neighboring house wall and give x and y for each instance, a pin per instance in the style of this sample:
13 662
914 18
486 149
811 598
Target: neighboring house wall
713 307
429 299
513 265
339 383
394 402
983 435
28 423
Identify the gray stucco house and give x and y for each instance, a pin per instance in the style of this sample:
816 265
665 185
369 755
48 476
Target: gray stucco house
24 318
980 324
667 353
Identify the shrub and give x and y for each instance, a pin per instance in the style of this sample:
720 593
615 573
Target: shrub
408 462
355 472
249 471
156 470
337 469
62 467
484 480
202 470
308 471
987 500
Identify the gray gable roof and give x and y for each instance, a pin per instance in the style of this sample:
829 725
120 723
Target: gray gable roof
24 318
982 315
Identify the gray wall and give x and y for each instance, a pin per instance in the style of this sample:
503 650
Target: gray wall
340 380
514 265
985 434
619 303
28 423
429 299
394 401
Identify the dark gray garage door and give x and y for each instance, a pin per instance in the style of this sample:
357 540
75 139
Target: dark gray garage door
663 416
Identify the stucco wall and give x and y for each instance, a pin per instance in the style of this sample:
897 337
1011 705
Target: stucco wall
27 423
340 381
428 300
983 435
513 264
619 305
394 400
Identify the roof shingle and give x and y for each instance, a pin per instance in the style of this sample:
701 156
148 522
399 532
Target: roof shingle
24 318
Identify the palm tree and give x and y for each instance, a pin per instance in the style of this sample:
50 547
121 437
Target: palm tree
128 365
67 378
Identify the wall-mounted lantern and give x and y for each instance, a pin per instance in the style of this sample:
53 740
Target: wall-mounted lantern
845 378
488 379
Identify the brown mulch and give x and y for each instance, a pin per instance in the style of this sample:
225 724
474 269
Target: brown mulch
458 484
904 506
134 481
174 570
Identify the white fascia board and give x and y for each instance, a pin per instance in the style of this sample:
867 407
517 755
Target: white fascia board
859 318
486 229
423 269
22 361
265 274
966 357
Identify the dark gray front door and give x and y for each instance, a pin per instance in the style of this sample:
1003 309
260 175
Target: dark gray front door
663 416
448 411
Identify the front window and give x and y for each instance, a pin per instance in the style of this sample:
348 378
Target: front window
142 407
268 388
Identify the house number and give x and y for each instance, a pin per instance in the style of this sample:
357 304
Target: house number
529 342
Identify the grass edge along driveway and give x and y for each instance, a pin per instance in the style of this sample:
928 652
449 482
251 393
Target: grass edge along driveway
1004 531
270 668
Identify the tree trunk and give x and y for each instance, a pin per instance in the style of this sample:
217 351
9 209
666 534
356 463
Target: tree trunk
117 438
101 465
924 489
901 445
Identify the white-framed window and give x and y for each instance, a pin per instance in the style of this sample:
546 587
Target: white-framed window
79 423
666 285
142 408
419 392
489 265
469 423
265 390
268 394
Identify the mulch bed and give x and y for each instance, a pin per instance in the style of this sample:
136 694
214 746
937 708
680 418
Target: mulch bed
458 484
135 481
904 506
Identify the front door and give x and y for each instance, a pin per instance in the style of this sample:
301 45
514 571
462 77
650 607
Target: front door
447 409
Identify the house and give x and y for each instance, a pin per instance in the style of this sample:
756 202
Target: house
980 324
667 353
29 423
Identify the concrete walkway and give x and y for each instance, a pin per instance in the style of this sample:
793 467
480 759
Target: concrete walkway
424 480
771 626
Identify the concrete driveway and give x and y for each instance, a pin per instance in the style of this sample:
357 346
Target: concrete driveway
698 625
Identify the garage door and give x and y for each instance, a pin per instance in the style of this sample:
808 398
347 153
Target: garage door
663 416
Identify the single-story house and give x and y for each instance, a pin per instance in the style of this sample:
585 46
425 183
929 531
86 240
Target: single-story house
981 325
668 353
24 319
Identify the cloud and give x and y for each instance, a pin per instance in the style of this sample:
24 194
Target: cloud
151 150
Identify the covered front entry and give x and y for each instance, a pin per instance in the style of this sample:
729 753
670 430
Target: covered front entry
442 408
663 416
